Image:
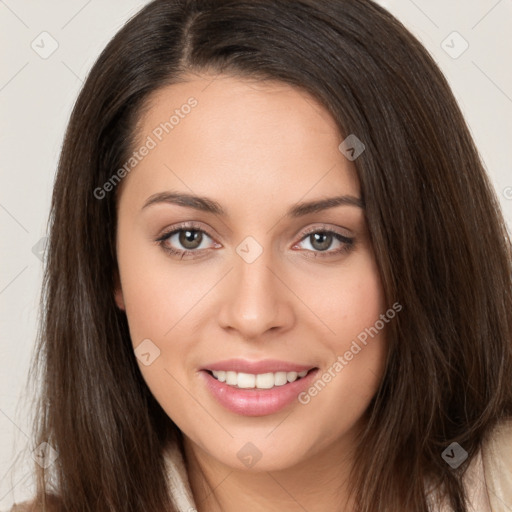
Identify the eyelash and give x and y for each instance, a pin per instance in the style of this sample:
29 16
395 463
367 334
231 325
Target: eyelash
348 243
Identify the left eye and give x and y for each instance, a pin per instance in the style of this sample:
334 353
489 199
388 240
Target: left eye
321 241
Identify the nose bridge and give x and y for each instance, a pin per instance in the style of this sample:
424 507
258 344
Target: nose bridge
256 300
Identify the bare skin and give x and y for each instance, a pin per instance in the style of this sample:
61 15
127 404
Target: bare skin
257 149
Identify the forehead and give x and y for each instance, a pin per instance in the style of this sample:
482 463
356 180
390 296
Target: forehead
215 134
238 103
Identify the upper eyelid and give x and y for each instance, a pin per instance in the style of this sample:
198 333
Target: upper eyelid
166 233
322 228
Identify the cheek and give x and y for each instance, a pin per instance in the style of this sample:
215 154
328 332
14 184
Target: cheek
159 302
159 295
360 303
363 341
351 305
347 300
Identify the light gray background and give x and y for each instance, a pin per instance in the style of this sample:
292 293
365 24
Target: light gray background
36 97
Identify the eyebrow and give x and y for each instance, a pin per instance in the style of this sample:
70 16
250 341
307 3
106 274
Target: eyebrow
205 204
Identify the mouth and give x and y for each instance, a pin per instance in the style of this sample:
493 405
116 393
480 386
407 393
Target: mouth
257 394
257 381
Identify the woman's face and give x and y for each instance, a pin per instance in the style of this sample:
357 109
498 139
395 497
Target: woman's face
266 279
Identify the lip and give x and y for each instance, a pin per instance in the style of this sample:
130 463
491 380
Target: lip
257 402
257 367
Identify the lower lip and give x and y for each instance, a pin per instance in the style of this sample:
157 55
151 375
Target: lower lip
257 402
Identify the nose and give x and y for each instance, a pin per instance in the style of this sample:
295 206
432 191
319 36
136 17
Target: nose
256 299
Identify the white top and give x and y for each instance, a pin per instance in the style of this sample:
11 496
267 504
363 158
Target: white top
488 480
178 482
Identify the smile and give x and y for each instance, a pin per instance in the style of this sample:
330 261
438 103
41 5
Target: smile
259 394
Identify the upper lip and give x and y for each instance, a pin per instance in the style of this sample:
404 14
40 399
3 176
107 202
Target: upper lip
257 367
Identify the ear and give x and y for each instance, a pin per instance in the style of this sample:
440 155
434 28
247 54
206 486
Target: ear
118 291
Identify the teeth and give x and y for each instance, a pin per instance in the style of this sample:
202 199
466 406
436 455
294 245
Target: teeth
280 378
259 381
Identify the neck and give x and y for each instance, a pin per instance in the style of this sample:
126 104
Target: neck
318 483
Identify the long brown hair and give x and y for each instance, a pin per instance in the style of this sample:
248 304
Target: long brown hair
440 241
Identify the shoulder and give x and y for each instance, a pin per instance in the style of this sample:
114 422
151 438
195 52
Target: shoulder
488 478
26 506
497 464
36 506
497 447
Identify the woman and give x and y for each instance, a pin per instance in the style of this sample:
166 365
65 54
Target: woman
277 277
